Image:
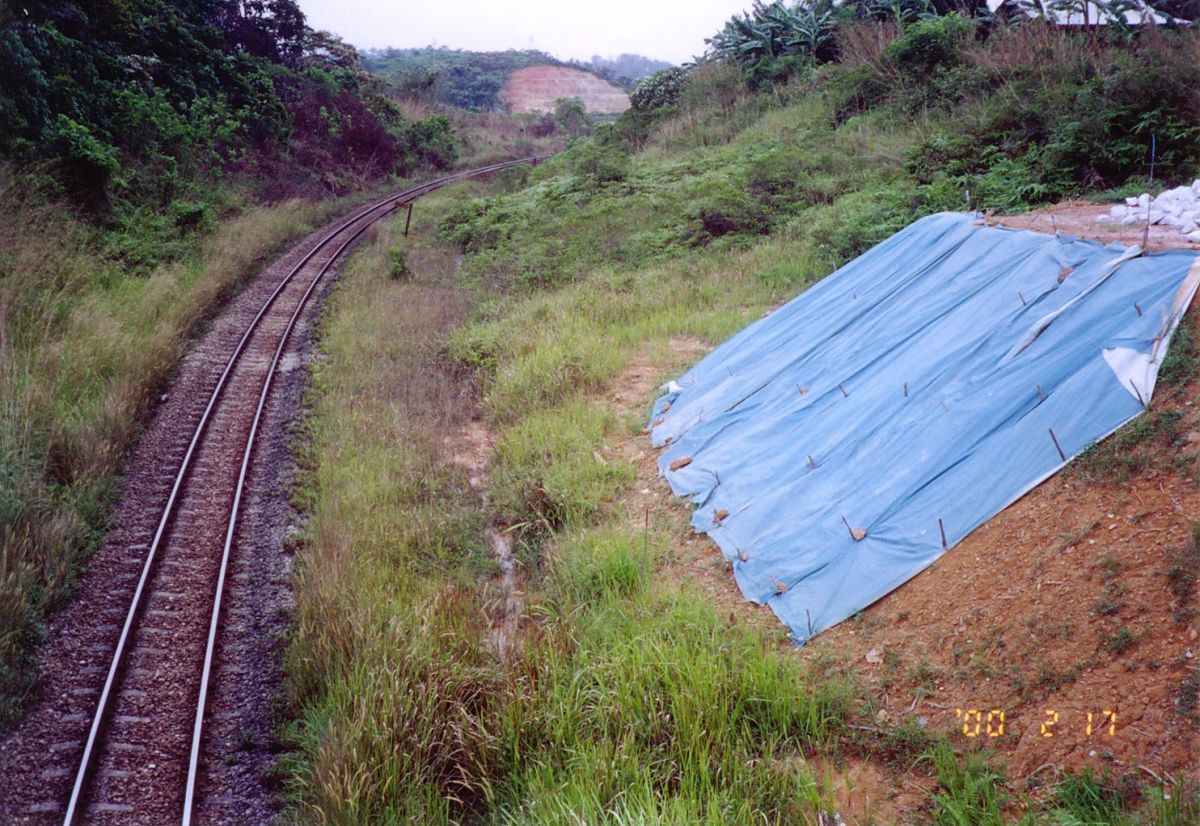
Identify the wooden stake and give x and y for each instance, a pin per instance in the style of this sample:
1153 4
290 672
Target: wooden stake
1041 395
408 219
1057 446
1137 393
1138 308
844 393
942 528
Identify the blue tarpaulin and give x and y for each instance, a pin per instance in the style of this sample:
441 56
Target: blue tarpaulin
840 445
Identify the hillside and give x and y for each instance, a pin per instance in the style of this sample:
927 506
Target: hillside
476 80
537 88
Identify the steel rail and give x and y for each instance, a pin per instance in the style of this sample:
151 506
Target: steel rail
210 646
83 773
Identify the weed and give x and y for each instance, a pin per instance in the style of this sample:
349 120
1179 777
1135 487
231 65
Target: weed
1187 697
398 269
970 793
1183 573
1119 641
1086 798
1143 443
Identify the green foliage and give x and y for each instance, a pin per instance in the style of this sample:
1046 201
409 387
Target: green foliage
970 792
602 164
431 142
770 42
1085 798
659 91
571 116
138 106
720 209
930 43
398 268
90 163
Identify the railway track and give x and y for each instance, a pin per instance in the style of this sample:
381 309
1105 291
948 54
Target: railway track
142 758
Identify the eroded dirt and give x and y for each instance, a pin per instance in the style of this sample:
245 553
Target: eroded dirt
536 88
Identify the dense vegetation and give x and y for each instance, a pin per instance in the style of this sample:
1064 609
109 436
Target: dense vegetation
473 80
617 690
141 106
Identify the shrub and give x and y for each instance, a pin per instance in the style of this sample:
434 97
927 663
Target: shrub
725 210
398 269
90 163
659 91
929 43
601 164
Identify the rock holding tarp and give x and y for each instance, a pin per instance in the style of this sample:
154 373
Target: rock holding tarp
840 445
1178 208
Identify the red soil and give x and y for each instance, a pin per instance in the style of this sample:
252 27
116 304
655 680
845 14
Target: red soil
536 88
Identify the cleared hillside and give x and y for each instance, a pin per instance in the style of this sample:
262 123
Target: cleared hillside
536 88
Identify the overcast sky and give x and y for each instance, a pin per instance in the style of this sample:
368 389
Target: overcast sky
671 30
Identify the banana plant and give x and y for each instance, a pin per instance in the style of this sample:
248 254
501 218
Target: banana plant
774 30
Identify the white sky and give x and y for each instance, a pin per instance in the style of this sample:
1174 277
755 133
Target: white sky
671 30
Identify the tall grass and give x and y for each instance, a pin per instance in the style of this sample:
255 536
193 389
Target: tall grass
85 348
620 699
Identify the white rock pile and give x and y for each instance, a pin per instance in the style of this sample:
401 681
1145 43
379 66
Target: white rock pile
1178 208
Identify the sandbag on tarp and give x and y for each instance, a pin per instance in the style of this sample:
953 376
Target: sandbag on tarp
840 445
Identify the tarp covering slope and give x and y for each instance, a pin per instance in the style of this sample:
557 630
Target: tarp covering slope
918 390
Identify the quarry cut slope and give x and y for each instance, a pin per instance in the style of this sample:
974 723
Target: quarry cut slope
536 88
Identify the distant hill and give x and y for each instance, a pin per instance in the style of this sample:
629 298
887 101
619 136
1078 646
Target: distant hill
536 88
633 67
474 80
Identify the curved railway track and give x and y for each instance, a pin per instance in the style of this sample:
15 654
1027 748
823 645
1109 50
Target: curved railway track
142 758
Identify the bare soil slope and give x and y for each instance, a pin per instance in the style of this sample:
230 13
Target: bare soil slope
536 88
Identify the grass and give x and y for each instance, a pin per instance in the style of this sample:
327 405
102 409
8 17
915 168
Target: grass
86 347
622 699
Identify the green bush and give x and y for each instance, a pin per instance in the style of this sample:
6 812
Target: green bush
659 91
932 42
601 164
90 163
721 209
398 269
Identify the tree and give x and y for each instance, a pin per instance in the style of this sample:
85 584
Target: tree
571 116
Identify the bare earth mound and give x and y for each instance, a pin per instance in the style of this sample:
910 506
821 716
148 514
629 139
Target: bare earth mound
536 88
